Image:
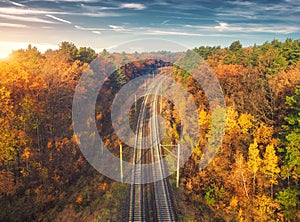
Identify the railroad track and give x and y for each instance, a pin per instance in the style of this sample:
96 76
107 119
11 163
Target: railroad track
150 202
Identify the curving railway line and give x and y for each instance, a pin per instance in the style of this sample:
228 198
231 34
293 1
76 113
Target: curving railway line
153 201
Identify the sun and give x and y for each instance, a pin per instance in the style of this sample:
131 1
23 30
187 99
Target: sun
3 56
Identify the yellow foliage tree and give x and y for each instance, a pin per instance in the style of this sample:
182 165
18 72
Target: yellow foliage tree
231 118
245 122
266 209
263 134
254 161
270 166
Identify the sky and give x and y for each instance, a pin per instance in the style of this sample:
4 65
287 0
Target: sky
108 23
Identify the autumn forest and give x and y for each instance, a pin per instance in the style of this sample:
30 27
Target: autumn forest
254 176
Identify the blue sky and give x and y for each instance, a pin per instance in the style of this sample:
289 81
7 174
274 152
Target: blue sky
103 24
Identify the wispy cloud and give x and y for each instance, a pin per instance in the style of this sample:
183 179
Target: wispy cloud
294 2
114 6
98 14
163 18
117 28
133 6
283 8
17 4
235 14
255 28
25 19
188 34
96 32
89 29
160 2
23 11
224 26
97 8
13 25
161 32
203 27
259 10
241 3
48 27
248 28
87 1
165 22
93 30
58 19
28 11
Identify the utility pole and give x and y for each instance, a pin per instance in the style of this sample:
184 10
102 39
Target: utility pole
121 162
160 107
178 159
135 105
178 162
